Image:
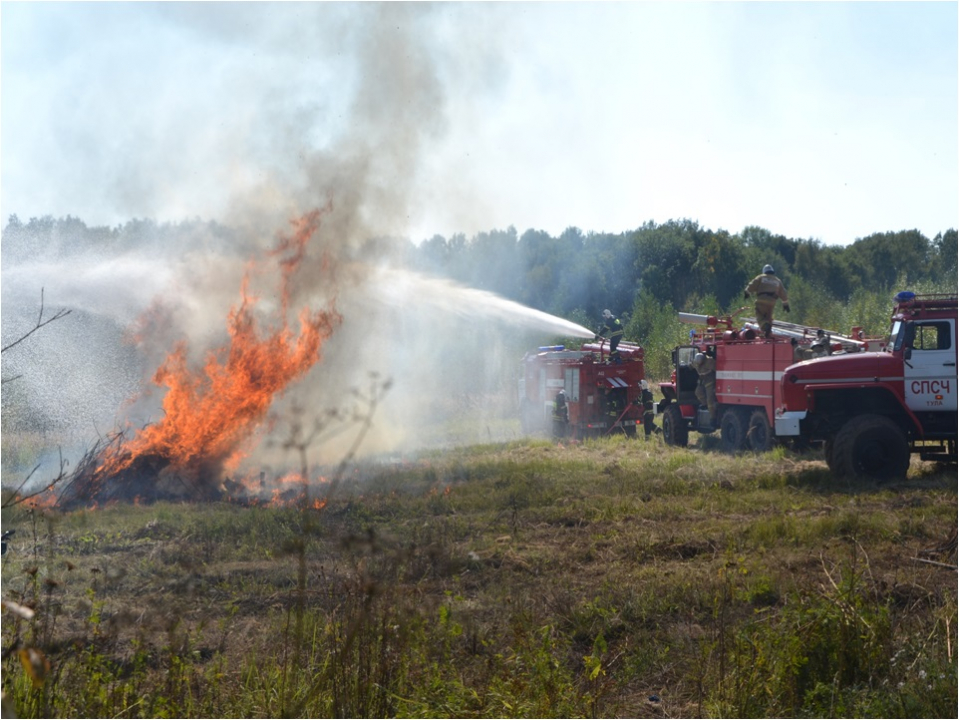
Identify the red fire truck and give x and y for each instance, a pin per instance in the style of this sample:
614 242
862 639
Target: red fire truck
601 396
873 410
749 367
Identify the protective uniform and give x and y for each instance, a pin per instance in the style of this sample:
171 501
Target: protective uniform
560 415
819 347
767 288
706 387
612 329
649 425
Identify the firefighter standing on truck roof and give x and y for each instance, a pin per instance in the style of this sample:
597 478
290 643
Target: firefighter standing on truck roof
767 288
613 329
706 387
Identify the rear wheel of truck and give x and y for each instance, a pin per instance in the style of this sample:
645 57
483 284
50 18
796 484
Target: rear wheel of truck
870 447
675 431
759 436
732 431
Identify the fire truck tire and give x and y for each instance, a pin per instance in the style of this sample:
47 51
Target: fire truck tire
732 430
871 447
759 436
675 431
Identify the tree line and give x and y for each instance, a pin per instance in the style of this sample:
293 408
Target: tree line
644 275
678 262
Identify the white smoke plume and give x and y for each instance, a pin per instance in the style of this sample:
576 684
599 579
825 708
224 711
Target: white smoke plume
362 156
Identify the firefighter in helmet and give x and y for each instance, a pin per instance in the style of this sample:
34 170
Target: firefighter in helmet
560 415
706 387
767 288
613 329
649 426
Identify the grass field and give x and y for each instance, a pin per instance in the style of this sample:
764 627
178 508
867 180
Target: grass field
615 578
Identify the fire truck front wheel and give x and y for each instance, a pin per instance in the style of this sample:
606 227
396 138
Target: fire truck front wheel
675 431
870 447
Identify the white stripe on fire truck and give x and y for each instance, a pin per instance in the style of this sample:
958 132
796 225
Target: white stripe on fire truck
840 381
617 382
748 375
745 395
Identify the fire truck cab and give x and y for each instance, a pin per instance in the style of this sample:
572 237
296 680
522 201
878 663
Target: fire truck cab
748 371
602 396
873 410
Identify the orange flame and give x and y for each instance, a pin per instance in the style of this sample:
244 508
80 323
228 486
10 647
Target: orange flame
210 415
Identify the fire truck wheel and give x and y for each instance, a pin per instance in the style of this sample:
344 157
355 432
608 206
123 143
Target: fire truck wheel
759 436
871 447
675 431
732 431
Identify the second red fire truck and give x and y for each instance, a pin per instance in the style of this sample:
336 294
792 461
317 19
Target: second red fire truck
749 369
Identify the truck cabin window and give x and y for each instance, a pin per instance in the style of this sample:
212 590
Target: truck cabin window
932 336
921 336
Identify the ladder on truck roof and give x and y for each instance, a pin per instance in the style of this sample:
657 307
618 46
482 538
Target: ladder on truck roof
807 332
781 328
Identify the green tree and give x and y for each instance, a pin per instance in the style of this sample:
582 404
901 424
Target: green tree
720 268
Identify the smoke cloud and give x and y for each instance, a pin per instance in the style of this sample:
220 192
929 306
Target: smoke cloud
356 142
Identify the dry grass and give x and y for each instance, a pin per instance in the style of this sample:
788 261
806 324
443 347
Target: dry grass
523 579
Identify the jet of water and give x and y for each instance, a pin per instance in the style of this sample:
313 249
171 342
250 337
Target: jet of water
398 285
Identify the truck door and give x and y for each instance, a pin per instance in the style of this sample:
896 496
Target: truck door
930 368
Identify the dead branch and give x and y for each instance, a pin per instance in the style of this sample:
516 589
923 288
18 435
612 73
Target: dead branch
936 563
62 313
15 498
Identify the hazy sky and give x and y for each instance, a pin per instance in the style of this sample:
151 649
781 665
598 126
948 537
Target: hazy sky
814 120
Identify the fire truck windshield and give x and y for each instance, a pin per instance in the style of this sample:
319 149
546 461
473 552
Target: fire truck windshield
896 335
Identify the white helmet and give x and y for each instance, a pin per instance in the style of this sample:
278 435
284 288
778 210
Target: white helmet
607 314
768 270
699 359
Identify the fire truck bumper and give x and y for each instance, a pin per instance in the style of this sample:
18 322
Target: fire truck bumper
787 423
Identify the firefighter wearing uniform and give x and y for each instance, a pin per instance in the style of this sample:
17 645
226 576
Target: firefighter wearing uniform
612 329
819 348
767 288
649 426
706 387
560 415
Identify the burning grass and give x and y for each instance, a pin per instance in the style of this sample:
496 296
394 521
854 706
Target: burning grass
604 579
211 414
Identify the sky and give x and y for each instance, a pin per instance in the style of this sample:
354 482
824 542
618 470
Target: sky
829 121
